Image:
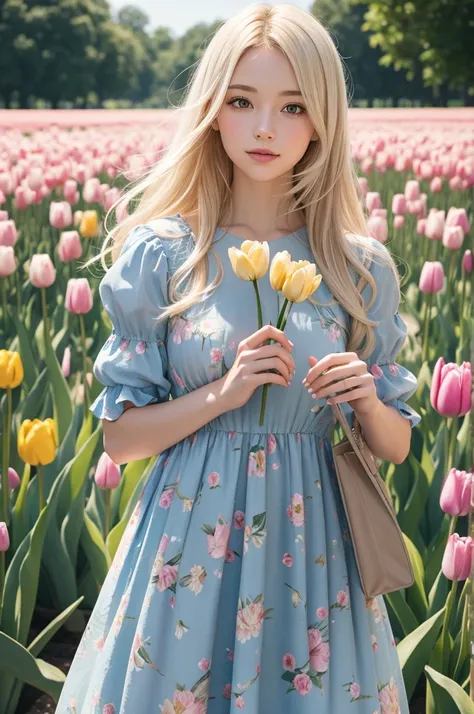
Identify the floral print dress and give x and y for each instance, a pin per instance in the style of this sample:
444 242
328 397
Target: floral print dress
235 585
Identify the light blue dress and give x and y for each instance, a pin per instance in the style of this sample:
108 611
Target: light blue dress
235 584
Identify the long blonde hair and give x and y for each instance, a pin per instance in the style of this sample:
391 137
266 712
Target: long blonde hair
194 175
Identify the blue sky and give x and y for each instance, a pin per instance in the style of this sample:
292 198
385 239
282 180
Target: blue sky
179 15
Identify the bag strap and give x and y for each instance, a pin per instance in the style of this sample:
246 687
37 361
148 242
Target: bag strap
355 438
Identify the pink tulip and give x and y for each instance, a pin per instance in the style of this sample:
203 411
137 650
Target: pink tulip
431 277
435 225
420 226
107 473
398 221
60 214
70 190
35 178
450 392
436 184
8 233
4 537
77 217
373 200
78 296
453 237
7 261
412 190
378 228
110 197
455 497
457 559
399 204
42 272
69 246
21 202
66 363
91 193
458 217
13 478
3 215
467 261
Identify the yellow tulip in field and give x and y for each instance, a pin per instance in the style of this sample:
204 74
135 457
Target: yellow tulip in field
38 441
11 369
89 225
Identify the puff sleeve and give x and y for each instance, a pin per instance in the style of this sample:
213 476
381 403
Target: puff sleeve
132 364
394 383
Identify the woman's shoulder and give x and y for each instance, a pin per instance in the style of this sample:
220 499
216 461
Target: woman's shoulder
370 251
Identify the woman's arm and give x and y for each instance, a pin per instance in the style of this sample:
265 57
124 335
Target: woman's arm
141 432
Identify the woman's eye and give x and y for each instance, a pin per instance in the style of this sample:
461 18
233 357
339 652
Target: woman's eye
242 99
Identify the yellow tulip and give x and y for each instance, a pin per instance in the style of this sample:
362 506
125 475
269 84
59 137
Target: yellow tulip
301 281
38 441
279 269
11 369
251 261
89 225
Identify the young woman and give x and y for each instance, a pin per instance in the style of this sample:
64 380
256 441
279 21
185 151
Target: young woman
235 584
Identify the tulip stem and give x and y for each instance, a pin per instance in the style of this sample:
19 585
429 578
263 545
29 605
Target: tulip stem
446 646
84 359
282 312
451 437
108 494
2 578
39 475
426 328
45 317
4 306
6 458
259 305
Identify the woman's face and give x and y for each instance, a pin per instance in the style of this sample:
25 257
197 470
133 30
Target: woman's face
268 114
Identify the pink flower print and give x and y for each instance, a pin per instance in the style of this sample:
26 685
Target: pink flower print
342 598
229 556
334 333
230 655
216 355
375 644
393 369
127 356
99 644
123 344
184 702
318 650
227 691
167 577
140 348
303 684
239 519
275 467
271 443
355 690
204 664
108 709
163 543
217 543
257 669
376 371
295 510
249 621
289 662
388 698
172 601
321 613
287 560
298 436
95 699
177 378
166 498
213 479
183 331
256 466
240 702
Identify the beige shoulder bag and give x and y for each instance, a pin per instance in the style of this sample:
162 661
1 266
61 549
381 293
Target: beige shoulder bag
380 551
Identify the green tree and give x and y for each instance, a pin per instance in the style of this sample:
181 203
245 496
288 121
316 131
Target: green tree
134 18
123 59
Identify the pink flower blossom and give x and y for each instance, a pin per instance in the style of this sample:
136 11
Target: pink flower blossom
321 613
287 560
239 519
166 498
217 543
213 479
355 690
295 510
303 684
318 650
289 662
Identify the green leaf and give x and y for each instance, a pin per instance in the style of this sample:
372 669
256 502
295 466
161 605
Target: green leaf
19 514
27 356
95 550
447 692
416 596
35 397
19 663
42 639
130 477
62 399
415 649
402 611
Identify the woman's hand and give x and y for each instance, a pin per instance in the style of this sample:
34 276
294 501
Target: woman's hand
344 375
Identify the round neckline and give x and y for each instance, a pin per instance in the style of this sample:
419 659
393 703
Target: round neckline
221 233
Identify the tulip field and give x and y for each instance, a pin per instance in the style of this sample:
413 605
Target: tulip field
64 505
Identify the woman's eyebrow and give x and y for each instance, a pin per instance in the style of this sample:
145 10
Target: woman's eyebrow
285 93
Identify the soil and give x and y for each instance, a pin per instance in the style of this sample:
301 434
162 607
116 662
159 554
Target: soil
60 652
